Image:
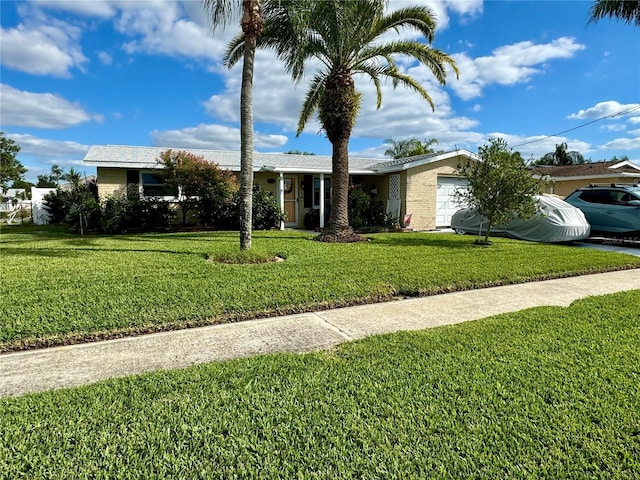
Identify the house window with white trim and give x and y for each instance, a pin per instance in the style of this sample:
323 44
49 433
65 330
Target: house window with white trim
153 185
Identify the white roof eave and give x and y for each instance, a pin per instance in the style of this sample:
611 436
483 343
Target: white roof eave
588 177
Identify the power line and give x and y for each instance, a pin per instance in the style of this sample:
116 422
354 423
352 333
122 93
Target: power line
621 112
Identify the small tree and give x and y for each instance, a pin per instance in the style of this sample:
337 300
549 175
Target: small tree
10 167
196 180
500 185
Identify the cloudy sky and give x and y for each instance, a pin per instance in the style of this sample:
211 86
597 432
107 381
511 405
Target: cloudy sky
76 73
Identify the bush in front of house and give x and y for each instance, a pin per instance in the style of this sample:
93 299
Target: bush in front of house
128 211
75 206
266 212
367 214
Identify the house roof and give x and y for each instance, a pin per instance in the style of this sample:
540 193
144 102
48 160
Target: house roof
614 168
120 156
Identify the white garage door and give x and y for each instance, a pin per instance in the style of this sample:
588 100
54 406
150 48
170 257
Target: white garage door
445 202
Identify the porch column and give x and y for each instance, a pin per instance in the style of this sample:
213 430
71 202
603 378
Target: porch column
281 196
322 200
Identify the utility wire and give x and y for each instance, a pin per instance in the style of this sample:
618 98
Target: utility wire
621 112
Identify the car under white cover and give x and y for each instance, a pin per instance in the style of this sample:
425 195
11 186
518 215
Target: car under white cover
555 221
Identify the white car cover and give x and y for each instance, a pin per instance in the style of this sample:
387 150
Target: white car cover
556 221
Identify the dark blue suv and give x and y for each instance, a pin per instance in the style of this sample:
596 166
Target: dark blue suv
613 208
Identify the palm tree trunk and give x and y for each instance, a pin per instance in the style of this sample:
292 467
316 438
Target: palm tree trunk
246 143
339 221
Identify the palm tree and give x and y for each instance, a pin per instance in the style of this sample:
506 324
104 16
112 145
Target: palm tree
626 10
561 157
220 13
347 37
410 147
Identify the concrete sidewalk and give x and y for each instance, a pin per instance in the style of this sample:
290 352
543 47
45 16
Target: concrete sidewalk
71 366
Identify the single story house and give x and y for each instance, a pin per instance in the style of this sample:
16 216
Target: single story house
420 186
565 179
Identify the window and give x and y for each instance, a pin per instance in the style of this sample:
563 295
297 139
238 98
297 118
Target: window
133 177
596 196
316 192
153 186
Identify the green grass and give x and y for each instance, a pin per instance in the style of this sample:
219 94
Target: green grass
545 393
59 288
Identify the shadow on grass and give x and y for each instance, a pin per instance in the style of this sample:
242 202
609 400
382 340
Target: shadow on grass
423 240
77 252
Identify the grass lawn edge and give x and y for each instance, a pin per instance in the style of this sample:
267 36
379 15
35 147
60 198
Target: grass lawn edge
74 338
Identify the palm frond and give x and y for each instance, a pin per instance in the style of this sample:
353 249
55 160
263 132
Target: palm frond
418 18
626 10
373 71
234 51
221 12
311 101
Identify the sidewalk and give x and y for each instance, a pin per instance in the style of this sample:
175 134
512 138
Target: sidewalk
71 366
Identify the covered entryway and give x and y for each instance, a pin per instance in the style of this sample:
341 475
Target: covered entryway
446 205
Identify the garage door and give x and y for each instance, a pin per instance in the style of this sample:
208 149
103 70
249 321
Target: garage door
445 201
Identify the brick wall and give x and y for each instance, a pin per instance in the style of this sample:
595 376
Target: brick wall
419 191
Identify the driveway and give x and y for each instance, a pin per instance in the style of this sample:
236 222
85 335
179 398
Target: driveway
620 245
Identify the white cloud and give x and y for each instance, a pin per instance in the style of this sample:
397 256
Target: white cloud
509 65
40 147
634 120
40 110
613 128
105 58
156 27
622 144
215 137
606 109
634 132
46 49
94 8
160 28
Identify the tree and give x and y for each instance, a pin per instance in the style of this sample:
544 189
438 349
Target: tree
500 185
220 12
347 37
10 167
53 179
561 157
298 152
196 181
410 147
626 10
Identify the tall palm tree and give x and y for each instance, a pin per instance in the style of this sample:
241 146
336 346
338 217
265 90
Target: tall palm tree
220 13
347 37
626 10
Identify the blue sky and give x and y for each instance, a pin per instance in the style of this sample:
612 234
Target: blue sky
76 73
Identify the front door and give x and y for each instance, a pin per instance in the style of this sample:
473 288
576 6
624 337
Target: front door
291 200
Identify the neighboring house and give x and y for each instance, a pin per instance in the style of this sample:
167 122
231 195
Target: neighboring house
420 186
565 179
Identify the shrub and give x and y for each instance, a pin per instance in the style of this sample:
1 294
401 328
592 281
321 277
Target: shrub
365 212
203 185
77 206
266 212
128 211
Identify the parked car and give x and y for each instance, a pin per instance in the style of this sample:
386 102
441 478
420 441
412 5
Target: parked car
613 208
555 221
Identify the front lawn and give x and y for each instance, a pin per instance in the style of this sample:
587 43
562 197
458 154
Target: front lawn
59 288
544 393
